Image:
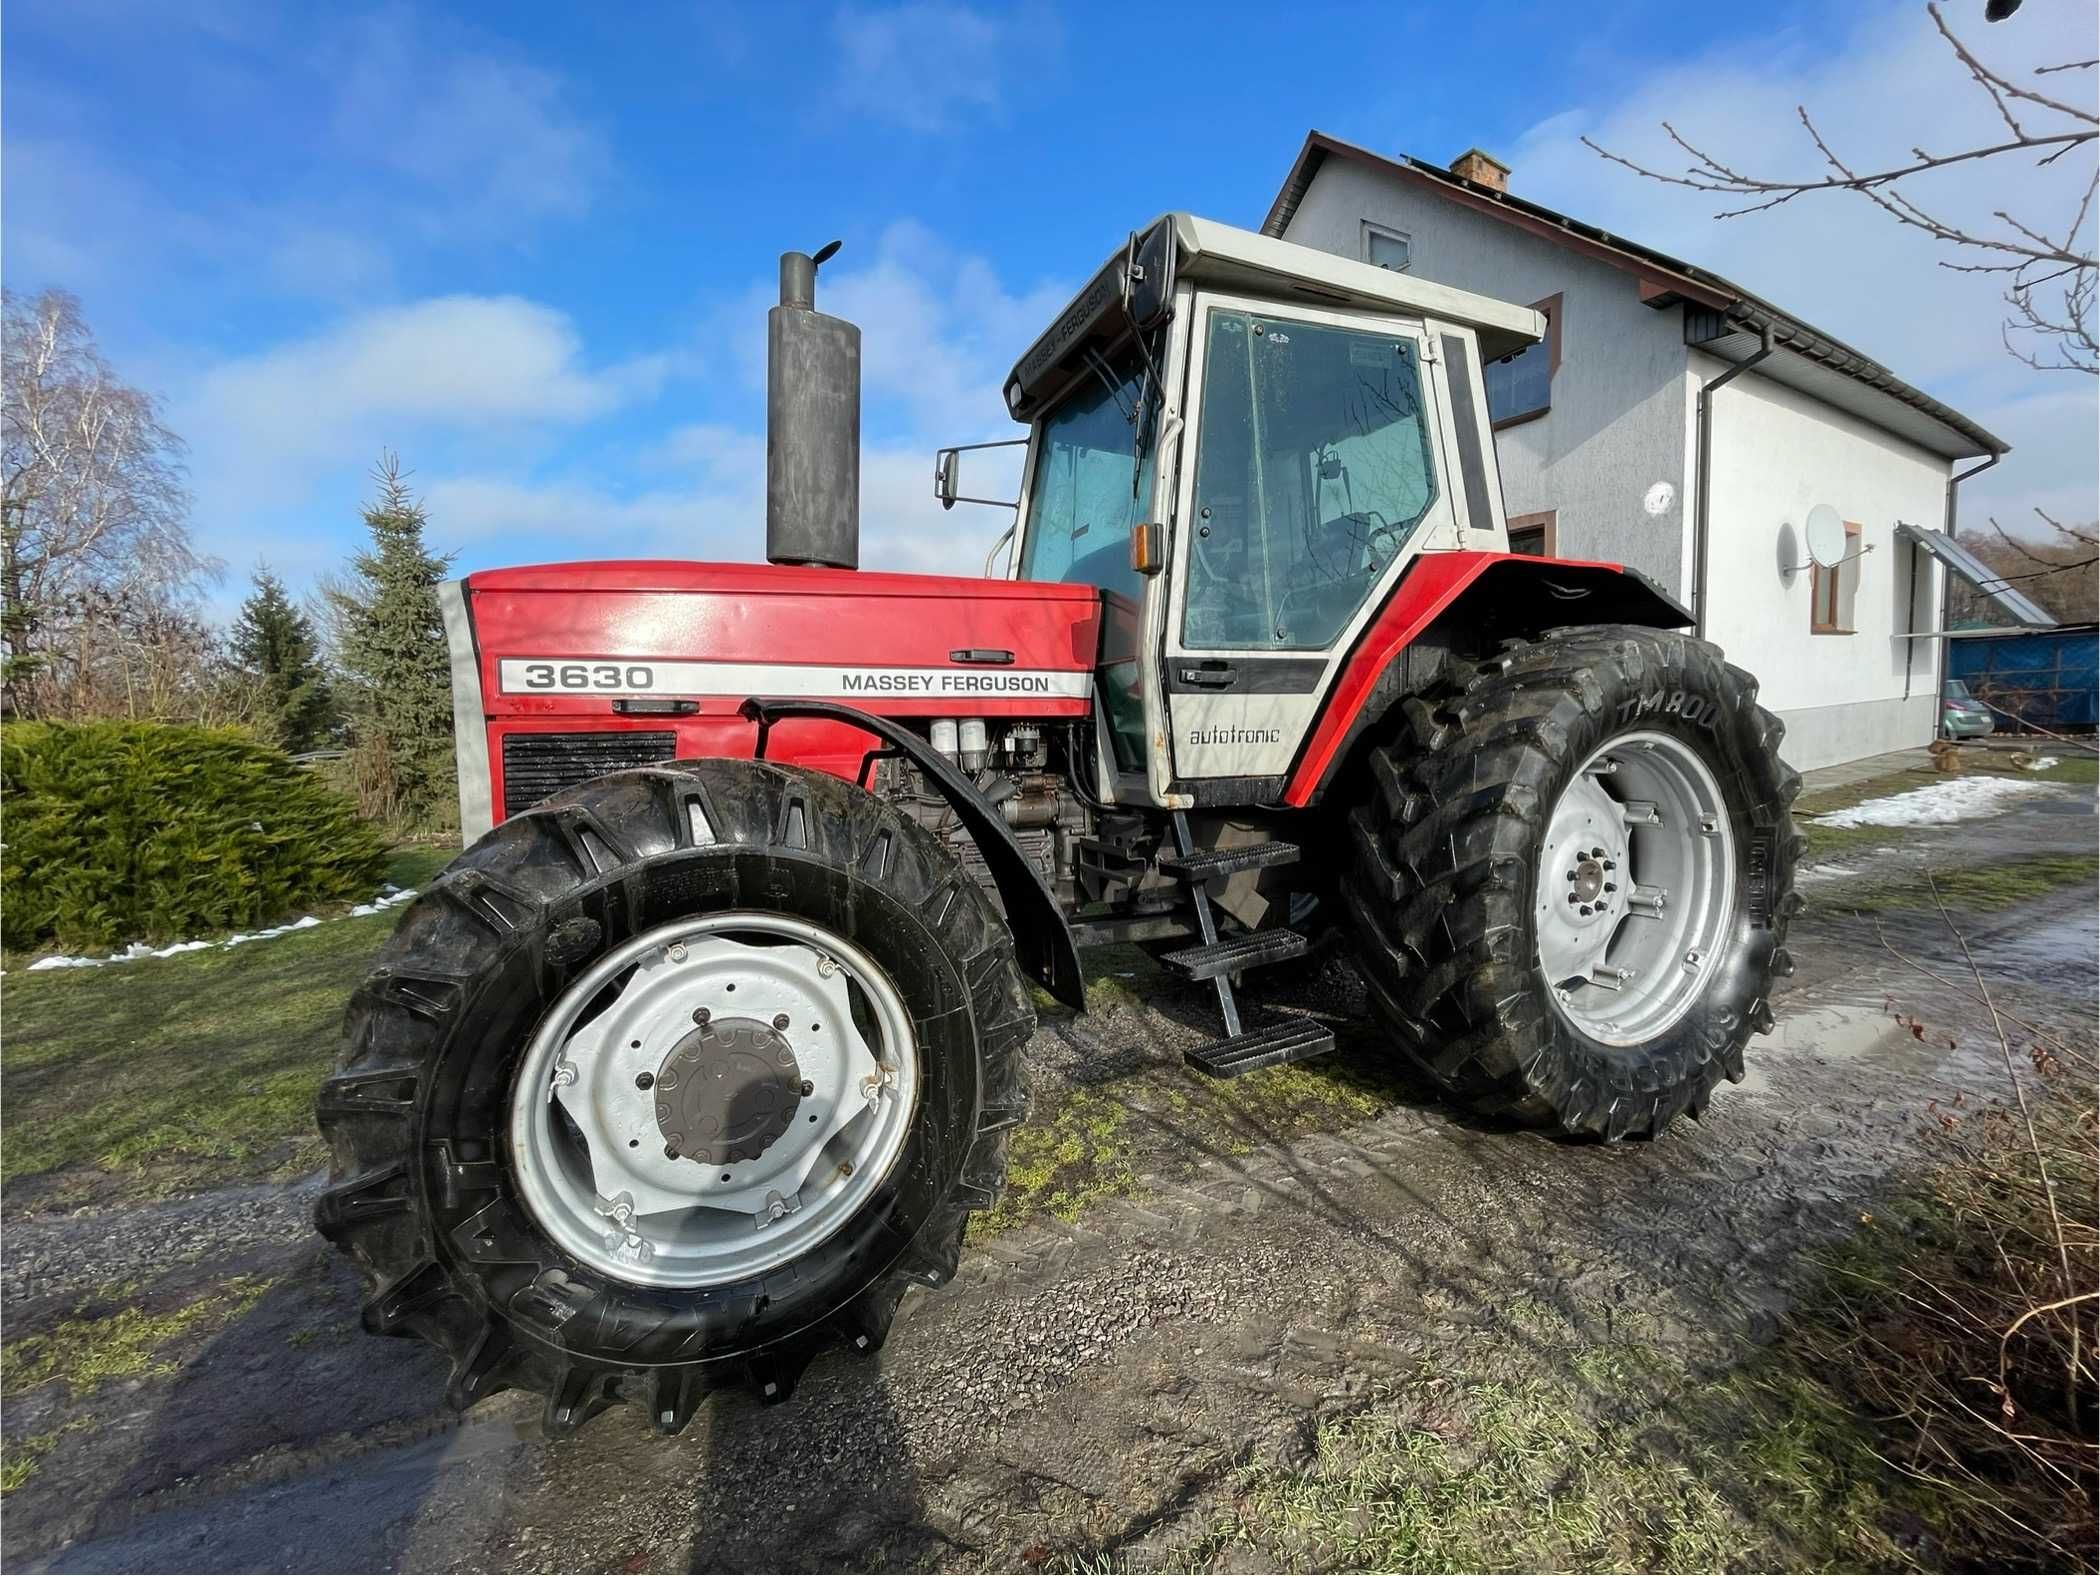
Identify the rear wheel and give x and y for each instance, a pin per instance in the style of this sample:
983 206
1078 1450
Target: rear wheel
1571 881
670 1083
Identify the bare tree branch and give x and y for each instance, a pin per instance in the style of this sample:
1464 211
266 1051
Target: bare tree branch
2050 271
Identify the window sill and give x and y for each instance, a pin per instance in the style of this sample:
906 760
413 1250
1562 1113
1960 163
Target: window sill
1829 629
1519 420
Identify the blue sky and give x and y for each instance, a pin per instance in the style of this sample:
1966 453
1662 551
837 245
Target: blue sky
530 247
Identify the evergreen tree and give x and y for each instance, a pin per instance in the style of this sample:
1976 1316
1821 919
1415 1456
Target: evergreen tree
274 643
392 652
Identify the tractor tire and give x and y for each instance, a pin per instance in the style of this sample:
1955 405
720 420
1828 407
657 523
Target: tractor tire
497 1172
1570 875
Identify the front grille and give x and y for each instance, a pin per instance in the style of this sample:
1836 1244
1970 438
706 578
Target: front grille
538 765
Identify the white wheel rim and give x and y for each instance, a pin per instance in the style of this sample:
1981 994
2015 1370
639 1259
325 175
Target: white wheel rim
1634 889
588 1122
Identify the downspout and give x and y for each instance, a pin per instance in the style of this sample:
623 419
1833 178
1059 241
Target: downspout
1939 667
1706 450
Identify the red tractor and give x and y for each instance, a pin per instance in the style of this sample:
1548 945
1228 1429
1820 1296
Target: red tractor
710 1043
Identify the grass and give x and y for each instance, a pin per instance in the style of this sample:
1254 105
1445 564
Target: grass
1974 889
141 1079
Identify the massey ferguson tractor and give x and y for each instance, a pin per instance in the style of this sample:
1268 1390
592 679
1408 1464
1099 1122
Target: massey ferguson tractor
709 1044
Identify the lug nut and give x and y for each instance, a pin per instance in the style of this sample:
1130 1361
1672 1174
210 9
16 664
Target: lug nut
670 1151
808 1088
780 1020
644 1080
701 1015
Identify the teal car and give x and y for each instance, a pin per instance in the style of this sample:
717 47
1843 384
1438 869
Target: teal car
1962 715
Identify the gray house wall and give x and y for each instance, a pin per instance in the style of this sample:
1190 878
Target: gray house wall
1619 420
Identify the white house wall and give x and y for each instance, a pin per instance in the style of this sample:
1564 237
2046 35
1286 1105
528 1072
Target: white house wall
1777 454
1617 424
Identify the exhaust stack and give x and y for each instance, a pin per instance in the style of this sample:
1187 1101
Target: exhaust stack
812 424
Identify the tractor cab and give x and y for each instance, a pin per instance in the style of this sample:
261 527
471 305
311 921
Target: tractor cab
1243 444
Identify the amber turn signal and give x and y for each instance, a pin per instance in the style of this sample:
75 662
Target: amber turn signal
1148 549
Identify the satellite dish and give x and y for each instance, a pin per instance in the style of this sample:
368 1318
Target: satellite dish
1825 534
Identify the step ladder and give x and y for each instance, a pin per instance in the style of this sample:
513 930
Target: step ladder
1242 1050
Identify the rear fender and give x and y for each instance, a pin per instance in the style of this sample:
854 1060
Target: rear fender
1463 602
1042 937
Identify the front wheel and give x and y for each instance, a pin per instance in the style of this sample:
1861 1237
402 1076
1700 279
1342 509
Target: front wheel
1571 879
670 1083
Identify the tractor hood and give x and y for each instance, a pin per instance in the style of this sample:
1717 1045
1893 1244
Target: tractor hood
577 638
562 671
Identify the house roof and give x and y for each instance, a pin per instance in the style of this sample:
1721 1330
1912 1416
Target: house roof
1721 318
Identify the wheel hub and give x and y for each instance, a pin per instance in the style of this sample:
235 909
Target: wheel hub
712 1098
1634 888
1589 888
727 1091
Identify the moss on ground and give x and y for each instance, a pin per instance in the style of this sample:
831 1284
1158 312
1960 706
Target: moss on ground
1660 1473
199 1070
103 1343
1975 889
20 1457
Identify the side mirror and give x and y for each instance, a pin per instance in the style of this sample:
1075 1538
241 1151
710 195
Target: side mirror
947 474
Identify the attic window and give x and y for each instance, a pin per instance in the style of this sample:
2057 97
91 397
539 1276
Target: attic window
1385 248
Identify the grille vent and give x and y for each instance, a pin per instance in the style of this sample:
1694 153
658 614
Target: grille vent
539 765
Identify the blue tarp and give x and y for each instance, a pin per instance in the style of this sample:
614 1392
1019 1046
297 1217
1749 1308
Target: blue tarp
2050 679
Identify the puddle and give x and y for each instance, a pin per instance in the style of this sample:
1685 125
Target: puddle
1826 1033
2054 953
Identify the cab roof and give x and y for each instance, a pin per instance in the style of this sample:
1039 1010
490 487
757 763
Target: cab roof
1224 257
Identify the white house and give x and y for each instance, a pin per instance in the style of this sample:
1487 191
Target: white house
1673 422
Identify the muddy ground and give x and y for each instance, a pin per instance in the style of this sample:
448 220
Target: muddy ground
1192 1285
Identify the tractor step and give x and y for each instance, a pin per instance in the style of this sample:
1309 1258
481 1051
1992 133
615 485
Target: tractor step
1271 1045
1235 953
1208 862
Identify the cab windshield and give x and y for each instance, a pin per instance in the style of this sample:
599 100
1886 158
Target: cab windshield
1090 484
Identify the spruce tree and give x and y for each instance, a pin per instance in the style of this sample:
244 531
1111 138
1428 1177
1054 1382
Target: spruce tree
392 652
274 643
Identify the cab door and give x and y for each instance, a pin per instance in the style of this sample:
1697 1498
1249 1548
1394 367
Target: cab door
1318 471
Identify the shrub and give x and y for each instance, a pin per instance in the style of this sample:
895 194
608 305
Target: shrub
119 832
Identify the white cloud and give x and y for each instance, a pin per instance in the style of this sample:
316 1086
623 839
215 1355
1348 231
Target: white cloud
494 137
451 362
930 65
1886 85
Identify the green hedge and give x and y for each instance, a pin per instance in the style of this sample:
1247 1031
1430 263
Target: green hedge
118 832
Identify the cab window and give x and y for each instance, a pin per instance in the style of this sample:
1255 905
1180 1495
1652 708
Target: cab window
1089 487
1314 466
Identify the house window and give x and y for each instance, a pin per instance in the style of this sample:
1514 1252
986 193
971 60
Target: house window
1533 534
1385 248
1832 592
1520 387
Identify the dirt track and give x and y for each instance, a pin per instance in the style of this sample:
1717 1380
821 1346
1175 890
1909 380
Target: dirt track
1082 1390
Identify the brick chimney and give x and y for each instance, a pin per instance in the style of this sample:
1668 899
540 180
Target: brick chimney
1482 169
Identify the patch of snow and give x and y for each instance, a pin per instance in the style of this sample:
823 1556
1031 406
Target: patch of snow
390 896
1937 804
2042 765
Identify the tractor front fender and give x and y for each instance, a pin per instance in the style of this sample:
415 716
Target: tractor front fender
1042 936
1458 601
